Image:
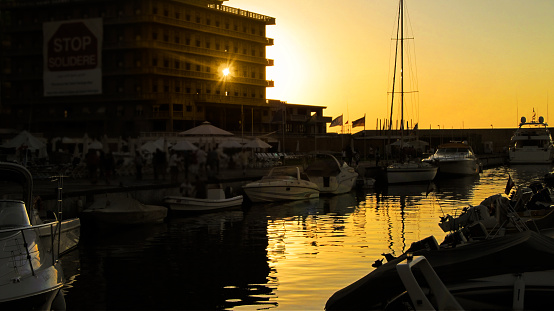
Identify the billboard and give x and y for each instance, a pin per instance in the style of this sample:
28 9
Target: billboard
73 57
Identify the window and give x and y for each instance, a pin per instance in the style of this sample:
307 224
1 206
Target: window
177 39
187 66
208 45
198 19
154 36
166 37
189 108
198 68
208 21
187 41
198 91
177 15
154 62
177 89
154 10
177 64
197 43
166 12
187 18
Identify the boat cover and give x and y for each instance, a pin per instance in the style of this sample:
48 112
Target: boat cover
518 253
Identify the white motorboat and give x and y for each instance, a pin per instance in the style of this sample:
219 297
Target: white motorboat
215 200
282 183
410 172
31 275
329 175
121 209
455 158
531 143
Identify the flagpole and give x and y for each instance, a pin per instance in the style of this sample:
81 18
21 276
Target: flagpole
365 153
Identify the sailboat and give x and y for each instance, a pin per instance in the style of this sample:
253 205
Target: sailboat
405 172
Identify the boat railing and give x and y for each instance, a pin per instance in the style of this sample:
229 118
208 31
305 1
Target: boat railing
10 241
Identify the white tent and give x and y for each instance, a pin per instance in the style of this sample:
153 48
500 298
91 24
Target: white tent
206 129
28 141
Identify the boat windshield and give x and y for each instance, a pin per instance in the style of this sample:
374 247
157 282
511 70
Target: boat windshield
453 150
13 214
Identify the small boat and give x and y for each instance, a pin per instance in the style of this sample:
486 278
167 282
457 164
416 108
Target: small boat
215 200
410 172
121 209
487 275
30 269
282 183
455 158
531 143
329 175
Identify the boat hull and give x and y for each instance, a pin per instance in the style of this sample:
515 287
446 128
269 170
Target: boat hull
458 167
289 191
530 156
201 205
411 173
70 235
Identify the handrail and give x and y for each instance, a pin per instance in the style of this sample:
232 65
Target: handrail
53 236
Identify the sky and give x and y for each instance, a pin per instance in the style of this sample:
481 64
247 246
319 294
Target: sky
477 63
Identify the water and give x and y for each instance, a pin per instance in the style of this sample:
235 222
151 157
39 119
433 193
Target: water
288 256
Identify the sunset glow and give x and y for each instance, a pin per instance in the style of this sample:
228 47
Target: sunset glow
478 63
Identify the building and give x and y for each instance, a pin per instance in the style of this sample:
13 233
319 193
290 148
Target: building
118 68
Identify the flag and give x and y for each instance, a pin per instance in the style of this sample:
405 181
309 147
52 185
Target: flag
346 122
337 121
359 122
509 185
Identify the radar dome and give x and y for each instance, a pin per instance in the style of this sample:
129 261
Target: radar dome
541 119
523 120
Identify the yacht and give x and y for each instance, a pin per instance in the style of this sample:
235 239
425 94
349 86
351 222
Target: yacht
30 270
455 158
329 175
282 183
531 143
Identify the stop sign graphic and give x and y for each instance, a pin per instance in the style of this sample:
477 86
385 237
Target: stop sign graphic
72 47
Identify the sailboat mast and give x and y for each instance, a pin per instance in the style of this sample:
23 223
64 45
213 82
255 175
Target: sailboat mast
401 71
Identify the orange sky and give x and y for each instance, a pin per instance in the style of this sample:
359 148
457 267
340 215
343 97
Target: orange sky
479 63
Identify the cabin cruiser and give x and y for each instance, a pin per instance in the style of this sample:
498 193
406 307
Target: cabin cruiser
455 158
329 175
30 270
531 143
282 183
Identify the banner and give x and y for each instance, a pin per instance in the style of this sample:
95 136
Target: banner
337 121
72 57
359 122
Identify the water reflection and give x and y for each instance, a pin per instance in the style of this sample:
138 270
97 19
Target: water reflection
291 255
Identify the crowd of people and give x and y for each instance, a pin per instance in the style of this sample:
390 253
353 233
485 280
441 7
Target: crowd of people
182 167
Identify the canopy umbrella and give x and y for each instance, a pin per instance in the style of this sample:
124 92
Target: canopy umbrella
95 145
205 129
184 145
151 146
257 143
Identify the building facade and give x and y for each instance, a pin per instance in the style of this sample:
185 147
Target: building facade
165 66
